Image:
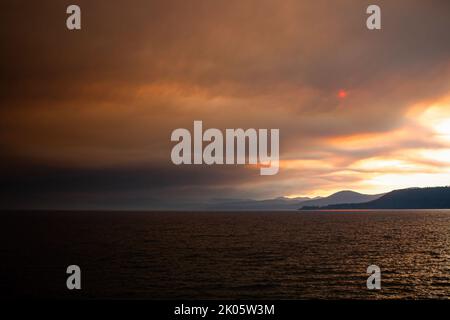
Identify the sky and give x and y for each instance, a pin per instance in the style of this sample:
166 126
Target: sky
86 116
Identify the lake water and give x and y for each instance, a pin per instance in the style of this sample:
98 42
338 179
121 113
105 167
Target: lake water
207 255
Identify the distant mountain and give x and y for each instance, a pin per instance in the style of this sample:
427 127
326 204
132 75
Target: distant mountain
416 198
341 197
281 203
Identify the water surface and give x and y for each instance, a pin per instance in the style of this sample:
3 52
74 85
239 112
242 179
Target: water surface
206 255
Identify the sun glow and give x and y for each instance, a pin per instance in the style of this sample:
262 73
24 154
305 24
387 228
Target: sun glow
437 118
443 128
416 154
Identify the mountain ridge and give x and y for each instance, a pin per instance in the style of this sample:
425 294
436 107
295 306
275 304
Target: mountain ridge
284 203
410 198
341 197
